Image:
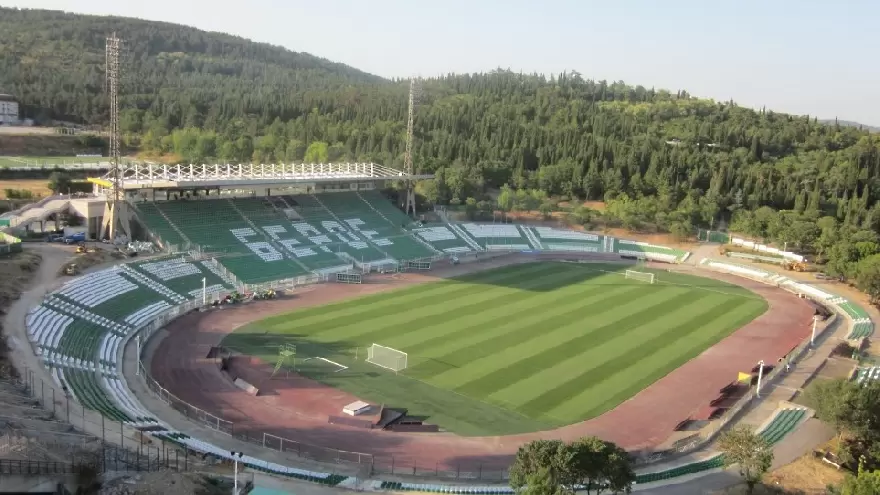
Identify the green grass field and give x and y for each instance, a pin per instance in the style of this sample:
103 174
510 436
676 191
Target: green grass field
47 161
511 350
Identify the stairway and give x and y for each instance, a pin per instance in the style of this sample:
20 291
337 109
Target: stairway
465 237
373 208
176 229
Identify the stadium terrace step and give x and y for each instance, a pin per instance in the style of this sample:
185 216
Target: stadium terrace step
443 239
86 389
783 423
80 329
250 462
649 251
684 470
492 237
568 240
367 214
862 326
158 223
181 276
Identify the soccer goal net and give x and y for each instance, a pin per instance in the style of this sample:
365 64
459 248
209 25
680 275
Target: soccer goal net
641 276
386 357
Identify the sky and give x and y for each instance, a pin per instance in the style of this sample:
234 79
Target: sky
798 56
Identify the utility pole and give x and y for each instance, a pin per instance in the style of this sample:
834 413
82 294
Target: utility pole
414 90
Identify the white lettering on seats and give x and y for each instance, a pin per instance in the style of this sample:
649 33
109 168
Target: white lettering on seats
243 234
262 249
355 223
320 239
265 251
289 244
274 230
305 229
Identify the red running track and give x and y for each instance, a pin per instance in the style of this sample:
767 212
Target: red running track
297 408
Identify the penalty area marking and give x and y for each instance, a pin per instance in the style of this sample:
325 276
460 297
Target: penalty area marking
334 363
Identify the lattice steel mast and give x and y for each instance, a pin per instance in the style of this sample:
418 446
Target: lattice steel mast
112 69
407 159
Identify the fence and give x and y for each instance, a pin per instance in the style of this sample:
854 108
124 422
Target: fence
709 432
106 445
301 451
139 452
713 236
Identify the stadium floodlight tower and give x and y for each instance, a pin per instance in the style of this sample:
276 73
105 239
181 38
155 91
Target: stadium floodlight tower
414 90
114 214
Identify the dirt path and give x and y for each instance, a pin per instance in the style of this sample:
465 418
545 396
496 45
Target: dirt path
298 410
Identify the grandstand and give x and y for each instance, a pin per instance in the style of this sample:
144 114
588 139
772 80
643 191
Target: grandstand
220 241
287 236
78 330
861 327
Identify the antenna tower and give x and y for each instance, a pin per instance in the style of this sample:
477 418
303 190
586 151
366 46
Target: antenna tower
113 76
414 91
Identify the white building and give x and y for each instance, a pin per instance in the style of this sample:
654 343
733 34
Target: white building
8 110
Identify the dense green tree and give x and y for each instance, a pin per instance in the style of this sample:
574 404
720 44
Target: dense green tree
600 466
664 161
59 182
750 452
865 483
546 462
589 464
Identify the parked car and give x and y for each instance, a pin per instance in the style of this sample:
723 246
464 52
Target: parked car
75 238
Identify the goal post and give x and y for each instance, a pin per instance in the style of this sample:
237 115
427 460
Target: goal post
386 357
641 276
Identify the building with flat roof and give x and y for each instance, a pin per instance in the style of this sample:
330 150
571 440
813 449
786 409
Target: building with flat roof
8 109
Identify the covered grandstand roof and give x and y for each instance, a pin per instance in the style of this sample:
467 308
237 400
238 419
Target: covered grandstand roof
151 175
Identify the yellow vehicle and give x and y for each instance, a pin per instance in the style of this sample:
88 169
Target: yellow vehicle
795 266
71 269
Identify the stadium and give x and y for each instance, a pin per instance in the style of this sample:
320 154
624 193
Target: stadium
299 311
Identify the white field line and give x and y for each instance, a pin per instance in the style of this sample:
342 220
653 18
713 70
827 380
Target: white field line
341 367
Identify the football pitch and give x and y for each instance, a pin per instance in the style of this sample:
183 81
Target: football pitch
510 350
48 161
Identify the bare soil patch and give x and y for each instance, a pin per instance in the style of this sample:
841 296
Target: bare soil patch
16 272
805 475
38 187
165 483
88 260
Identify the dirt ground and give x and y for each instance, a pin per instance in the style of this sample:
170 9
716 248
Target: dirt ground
807 475
39 187
16 272
164 483
88 260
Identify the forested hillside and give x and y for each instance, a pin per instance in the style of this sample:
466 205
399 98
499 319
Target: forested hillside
54 62
662 160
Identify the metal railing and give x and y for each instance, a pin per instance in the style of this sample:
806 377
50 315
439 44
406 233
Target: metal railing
104 444
496 470
708 433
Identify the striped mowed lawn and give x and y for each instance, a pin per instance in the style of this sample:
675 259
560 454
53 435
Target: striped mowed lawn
511 350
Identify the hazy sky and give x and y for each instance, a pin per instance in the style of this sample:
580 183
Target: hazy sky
800 56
